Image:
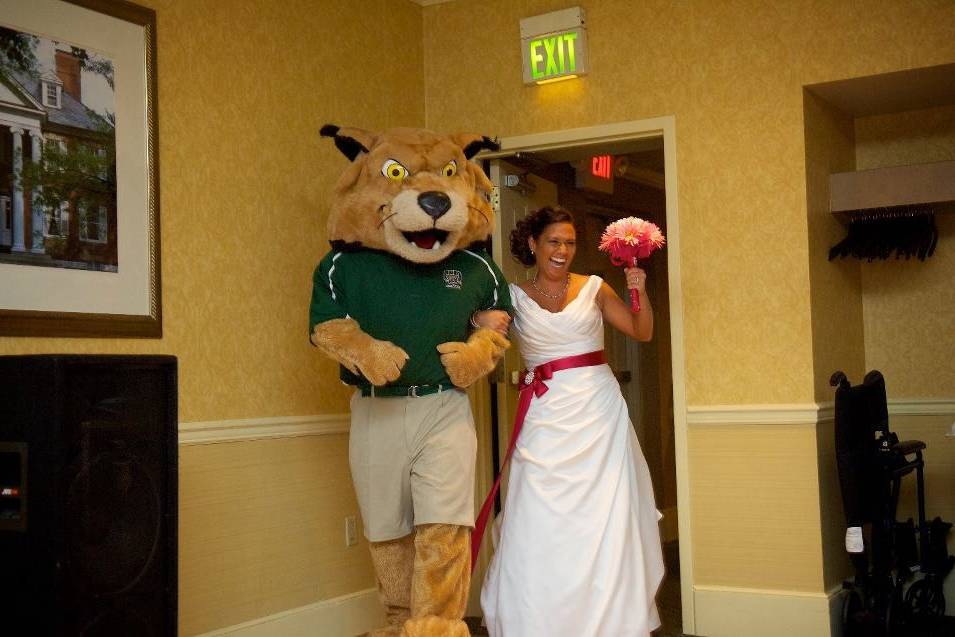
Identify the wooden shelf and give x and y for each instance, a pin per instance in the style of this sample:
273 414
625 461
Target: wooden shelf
891 187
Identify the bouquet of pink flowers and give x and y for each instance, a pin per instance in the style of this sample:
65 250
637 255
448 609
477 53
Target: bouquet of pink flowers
629 239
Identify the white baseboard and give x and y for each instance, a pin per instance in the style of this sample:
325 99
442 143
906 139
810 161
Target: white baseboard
723 611
345 616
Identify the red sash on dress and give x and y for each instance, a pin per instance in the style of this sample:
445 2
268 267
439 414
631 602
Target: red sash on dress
532 384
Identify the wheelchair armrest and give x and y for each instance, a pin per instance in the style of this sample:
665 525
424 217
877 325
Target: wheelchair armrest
905 447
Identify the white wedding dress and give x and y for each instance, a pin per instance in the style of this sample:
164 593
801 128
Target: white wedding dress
579 553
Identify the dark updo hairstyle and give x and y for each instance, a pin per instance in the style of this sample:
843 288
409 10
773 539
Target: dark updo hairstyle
532 226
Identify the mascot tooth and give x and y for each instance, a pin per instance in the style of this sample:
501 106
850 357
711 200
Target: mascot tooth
392 303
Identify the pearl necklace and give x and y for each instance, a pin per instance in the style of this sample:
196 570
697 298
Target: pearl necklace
555 297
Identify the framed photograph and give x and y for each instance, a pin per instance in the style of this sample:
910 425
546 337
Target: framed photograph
79 174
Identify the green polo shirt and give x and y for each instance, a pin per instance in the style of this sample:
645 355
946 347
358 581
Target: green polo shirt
415 306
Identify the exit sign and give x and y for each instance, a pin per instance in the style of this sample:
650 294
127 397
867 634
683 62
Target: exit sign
554 46
601 166
595 173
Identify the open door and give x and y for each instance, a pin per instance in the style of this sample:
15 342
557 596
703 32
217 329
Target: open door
516 193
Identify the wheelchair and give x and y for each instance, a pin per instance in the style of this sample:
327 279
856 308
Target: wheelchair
900 567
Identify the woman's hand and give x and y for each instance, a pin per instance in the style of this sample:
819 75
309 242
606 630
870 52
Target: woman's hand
636 279
637 325
496 320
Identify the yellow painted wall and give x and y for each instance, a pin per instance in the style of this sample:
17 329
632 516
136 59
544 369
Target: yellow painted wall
836 310
910 305
753 235
262 529
732 74
755 514
836 286
244 87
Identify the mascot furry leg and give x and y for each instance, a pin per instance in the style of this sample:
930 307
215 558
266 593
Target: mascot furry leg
394 572
423 581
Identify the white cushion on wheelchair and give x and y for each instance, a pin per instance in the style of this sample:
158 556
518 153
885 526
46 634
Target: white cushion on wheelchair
854 539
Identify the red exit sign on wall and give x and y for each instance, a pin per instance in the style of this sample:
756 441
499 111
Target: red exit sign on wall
601 166
595 173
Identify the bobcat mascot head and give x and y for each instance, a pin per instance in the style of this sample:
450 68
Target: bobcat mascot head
410 192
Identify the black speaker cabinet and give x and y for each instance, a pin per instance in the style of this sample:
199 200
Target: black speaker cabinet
88 496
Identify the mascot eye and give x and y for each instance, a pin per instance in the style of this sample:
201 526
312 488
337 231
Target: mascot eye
393 170
450 169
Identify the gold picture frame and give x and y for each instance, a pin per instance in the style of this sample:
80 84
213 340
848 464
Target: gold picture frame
88 266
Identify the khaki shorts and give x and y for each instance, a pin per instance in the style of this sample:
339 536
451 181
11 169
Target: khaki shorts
412 462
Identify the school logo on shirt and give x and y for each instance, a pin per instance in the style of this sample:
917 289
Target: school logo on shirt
453 279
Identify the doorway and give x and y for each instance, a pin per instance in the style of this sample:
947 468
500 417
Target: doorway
601 174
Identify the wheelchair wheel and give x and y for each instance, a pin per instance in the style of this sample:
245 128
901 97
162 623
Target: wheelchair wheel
894 609
925 598
857 620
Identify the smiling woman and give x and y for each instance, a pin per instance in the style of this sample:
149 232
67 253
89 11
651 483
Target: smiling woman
555 248
572 436
547 239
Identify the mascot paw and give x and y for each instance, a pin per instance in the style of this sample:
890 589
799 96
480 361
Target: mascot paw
467 362
343 340
381 363
435 627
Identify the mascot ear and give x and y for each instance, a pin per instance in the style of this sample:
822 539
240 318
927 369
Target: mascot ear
473 144
351 141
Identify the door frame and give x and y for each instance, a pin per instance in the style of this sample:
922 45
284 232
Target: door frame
665 128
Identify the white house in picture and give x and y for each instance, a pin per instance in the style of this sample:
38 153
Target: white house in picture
53 108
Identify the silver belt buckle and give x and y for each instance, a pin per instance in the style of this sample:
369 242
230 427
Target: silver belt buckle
413 391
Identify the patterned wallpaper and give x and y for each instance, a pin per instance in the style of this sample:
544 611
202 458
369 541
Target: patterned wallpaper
836 310
732 74
244 87
836 286
909 305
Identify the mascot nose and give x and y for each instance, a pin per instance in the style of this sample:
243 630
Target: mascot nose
434 203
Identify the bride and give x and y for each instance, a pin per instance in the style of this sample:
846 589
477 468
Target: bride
579 553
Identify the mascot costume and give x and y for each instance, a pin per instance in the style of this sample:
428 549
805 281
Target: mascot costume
394 304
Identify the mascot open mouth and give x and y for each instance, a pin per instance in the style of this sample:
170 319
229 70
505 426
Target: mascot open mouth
427 239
